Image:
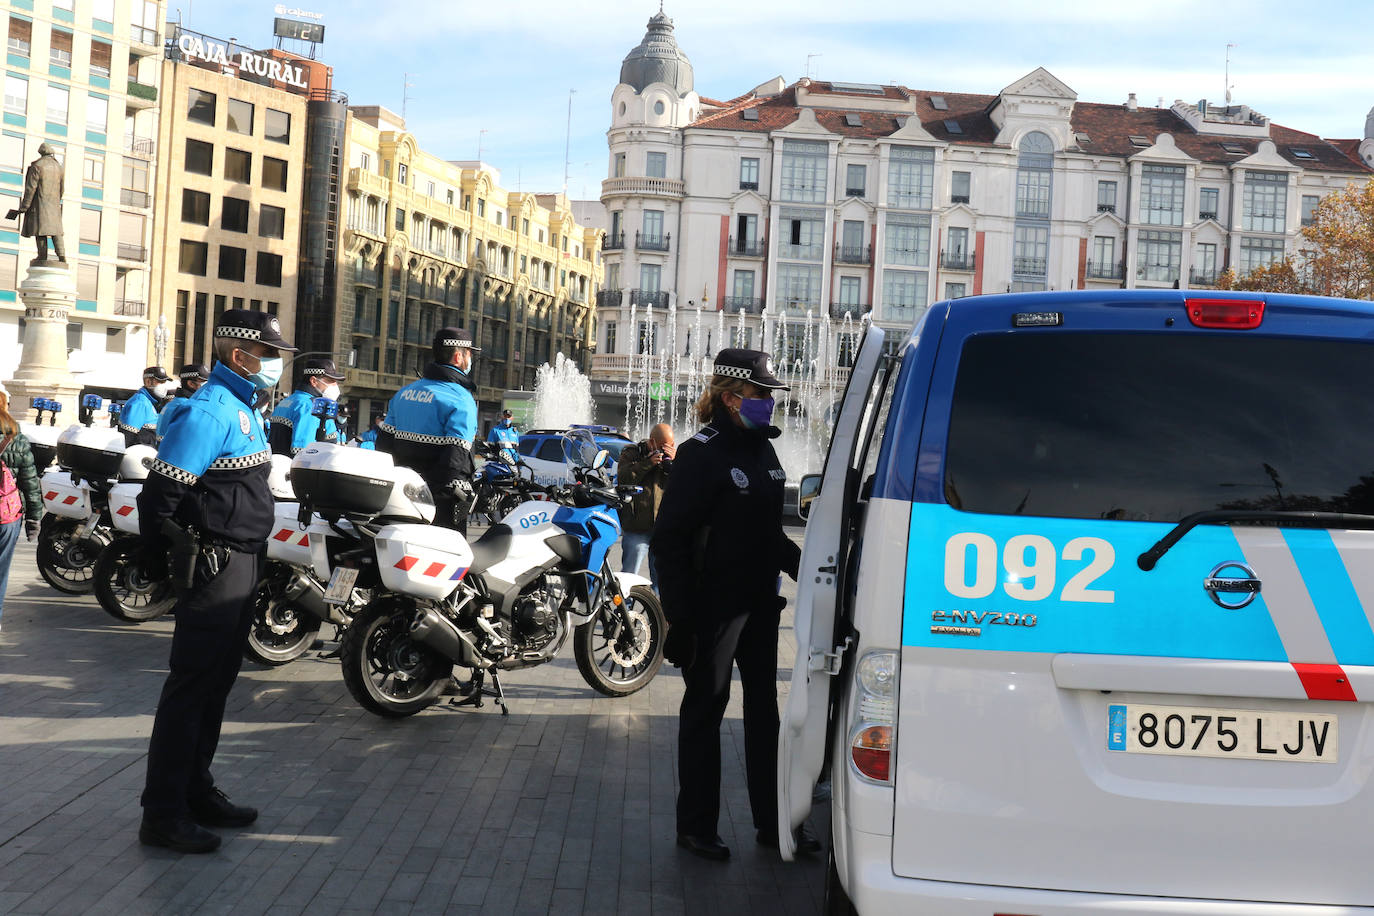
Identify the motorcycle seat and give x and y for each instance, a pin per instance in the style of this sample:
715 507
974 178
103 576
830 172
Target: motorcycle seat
491 548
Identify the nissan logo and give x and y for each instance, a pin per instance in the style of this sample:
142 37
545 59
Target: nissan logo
1244 587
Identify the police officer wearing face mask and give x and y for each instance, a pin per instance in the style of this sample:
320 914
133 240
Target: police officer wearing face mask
204 514
294 425
430 425
138 420
720 550
506 435
192 376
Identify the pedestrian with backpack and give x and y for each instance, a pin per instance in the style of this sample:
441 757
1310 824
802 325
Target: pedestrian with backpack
21 504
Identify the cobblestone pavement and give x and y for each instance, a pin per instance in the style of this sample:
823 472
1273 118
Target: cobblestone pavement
566 806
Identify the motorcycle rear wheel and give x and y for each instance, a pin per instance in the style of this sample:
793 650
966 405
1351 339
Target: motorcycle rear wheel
123 590
281 631
67 563
387 672
619 659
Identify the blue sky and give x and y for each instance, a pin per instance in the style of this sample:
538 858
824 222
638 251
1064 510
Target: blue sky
506 66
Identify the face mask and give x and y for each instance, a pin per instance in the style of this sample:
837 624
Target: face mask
162 389
756 412
506 424
332 392
269 371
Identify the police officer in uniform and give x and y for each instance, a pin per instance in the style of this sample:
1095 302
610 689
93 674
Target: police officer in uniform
720 551
138 420
204 516
507 436
293 424
430 425
193 376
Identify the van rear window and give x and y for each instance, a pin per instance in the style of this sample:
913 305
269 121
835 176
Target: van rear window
1153 427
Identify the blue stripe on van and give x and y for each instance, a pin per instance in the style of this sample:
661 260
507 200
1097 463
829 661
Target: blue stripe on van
1333 595
1164 612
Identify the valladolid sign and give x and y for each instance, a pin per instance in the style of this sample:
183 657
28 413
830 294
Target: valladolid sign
195 47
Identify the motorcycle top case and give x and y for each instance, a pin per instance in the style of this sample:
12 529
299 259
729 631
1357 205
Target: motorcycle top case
335 479
42 442
288 542
63 497
421 560
137 460
124 506
90 451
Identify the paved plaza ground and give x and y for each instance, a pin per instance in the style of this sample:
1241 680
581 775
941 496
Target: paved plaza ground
566 806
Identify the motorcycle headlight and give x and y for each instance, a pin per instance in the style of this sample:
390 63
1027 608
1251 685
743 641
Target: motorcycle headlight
419 494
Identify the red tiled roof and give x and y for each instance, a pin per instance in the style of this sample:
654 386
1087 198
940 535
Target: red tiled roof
1108 127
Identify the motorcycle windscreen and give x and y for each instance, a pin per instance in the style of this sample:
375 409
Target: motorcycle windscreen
1069 720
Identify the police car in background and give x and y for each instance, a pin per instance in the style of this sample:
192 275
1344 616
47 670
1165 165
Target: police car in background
1086 613
543 451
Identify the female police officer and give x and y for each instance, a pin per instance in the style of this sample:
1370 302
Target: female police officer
720 549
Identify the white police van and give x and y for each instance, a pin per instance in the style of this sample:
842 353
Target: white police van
1086 615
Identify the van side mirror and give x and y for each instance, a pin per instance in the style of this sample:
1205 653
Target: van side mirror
809 489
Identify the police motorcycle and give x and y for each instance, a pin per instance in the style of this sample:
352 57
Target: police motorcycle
501 484
76 525
508 600
122 587
291 604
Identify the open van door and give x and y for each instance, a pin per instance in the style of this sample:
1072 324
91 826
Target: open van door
821 588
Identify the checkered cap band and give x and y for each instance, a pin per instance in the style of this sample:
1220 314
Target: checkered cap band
734 371
455 342
243 333
315 372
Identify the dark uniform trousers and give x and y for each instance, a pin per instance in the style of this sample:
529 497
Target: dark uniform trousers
750 641
212 622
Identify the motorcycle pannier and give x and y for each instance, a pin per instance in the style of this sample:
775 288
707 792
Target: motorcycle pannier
124 506
63 497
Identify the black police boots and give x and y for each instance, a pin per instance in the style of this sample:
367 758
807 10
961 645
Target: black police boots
706 847
179 834
216 810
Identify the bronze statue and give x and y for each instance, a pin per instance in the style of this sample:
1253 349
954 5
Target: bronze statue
42 203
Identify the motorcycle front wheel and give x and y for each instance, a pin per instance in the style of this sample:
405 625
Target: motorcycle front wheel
282 631
67 562
123 590
621 649
387 672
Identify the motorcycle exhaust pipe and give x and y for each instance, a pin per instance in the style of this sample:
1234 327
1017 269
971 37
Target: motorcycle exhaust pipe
306 593
438 632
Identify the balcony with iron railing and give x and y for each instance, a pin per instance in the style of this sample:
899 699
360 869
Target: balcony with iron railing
810 252
747 248
649 297
1099 271
608 298
614 242
1157 273
142 41
1203 278
853 254
130 308
1207 214
640 186
855 310
957 260
750 305
1033 209
1029 267
140 147
653 242
131 252
132 198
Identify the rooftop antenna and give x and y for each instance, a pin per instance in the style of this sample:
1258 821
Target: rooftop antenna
567 138
1229 87
406 86
808 63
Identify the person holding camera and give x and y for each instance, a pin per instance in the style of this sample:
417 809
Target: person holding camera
645 464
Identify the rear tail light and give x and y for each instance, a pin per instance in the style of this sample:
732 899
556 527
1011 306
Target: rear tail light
874 731
1230 314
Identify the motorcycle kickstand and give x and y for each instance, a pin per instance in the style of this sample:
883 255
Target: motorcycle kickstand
477 689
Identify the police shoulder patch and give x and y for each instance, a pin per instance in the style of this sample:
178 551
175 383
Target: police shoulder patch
243 422
706 434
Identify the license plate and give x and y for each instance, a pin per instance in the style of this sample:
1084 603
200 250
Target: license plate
341 585
1246 734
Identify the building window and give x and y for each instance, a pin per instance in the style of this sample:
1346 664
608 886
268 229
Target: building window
21 36
59 103
959 185
93 172
902 290
1030 252
402 172
195 207
653 226
1265 204
97 114
269 269
1104 256
482 209
650 277
90 226
232 263
849 291
234 215
907 242
803 234
749 174
74 329
1256 253
238 165
193 258
400 221
271 222
240 117
1161 253
656 165
799 286
1033 193
274 173
16 95
60 52
955 290
1161 195
610 337
1309 208
1207 203
618 166
1106 197
277 127
855 180
1206 262
802 177
743 286
910 178
114 340
101 53
200 157
200 107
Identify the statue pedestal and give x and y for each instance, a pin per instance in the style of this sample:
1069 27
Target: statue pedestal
49 293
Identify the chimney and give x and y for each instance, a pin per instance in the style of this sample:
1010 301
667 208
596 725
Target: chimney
1130 102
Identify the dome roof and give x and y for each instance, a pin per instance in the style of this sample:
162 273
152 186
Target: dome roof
658 59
